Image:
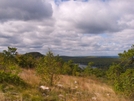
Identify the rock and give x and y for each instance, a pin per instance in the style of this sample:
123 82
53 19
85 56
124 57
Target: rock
59 85
108 94
94 98
44 89
75 82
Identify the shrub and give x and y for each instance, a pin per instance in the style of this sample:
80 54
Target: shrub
48 69
12 79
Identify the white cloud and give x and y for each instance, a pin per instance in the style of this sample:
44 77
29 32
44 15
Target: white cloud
71 28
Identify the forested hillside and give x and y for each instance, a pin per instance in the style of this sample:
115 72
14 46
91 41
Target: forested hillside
99 61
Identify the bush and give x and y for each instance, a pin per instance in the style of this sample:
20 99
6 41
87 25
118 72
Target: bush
122 75
128 82
11 78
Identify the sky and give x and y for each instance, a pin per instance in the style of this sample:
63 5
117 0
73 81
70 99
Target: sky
67 27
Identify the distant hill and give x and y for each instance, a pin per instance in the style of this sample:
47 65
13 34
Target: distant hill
35 54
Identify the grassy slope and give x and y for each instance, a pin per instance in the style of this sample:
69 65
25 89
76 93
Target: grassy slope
85 89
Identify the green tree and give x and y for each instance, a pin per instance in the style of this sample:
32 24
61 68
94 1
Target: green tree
127 56
70 68
99 72
88 70
66 69
122 75
48 68
9 69
10 60
27 61
10 55
76 70
114 72
127 82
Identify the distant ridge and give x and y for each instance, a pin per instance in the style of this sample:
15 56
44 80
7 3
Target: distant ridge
107 56
35 54
99 61
91 56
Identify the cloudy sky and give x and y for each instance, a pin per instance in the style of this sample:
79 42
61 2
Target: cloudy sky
67 27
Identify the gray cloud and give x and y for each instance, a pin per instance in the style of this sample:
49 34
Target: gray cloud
24 9
72 28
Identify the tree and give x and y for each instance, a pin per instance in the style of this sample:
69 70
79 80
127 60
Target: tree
76 70
128 56
27 61
48 68
127 80
121 75
10 55
114 72
9 69
88 70
66 69
10 60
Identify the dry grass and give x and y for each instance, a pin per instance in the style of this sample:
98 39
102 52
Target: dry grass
86 89
29 75
91 90
2 97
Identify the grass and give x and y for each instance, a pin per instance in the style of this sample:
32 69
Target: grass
73 89
92 89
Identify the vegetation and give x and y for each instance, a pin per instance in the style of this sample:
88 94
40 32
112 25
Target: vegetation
48 68
121 75
102 62
66 79
27 61
9 61
11 79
